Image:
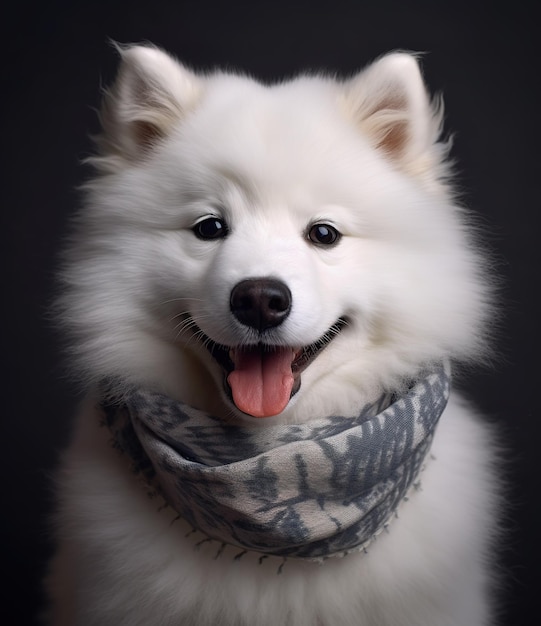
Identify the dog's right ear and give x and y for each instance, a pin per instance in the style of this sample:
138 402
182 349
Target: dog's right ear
152 92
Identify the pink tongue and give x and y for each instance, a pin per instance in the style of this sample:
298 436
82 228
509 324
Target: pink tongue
262 381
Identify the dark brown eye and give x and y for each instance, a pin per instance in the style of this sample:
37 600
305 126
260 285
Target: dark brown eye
323 234
210 228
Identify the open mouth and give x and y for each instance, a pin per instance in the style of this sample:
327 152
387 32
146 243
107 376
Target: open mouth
261 379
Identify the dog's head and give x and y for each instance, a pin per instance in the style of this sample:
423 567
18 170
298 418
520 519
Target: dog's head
237 232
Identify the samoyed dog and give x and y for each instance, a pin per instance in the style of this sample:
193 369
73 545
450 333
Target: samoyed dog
266 294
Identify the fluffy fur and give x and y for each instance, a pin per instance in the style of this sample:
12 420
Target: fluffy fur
143 294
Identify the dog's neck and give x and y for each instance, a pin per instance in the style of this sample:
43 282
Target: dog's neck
308 491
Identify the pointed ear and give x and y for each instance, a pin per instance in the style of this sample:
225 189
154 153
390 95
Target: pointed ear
152 92
391 106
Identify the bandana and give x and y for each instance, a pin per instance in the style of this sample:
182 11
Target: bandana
309 491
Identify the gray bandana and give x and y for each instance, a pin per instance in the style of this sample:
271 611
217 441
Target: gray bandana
308 491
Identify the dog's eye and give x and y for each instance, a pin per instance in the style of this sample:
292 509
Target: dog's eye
210 228
323 234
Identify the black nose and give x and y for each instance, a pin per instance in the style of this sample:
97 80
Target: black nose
260 302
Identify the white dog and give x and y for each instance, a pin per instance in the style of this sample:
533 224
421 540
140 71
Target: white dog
264 293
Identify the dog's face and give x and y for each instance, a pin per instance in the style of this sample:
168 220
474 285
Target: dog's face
292 244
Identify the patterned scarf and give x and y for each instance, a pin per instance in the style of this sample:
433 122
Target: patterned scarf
309 491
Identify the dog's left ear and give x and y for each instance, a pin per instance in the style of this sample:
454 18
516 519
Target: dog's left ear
390 104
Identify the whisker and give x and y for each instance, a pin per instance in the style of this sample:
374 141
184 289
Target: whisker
180 299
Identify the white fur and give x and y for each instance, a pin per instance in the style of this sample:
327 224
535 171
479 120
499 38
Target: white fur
363 155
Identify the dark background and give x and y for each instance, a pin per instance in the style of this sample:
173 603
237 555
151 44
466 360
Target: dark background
55 56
